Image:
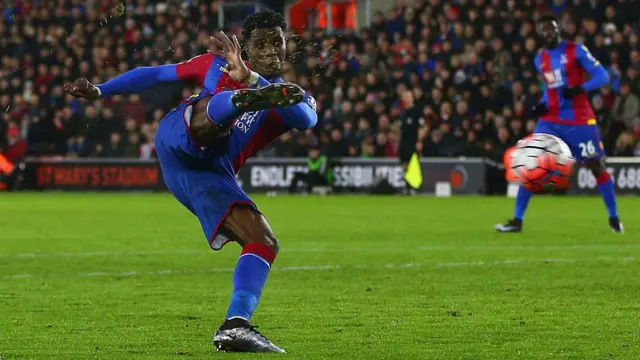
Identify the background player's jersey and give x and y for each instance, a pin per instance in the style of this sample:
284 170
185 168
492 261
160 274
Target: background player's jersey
564 67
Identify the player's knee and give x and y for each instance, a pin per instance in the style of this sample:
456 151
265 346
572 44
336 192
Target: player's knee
596 167
266 239
249 227
272 243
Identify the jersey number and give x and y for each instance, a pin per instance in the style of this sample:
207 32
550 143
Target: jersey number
587 149
553 79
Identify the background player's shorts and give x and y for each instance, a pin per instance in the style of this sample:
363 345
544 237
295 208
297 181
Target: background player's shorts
204 184
583 140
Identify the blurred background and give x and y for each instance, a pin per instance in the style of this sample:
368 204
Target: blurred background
461 71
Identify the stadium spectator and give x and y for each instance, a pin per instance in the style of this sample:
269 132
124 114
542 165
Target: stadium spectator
318 174
626 107
468 68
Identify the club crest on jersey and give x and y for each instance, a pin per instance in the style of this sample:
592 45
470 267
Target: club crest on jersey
224 69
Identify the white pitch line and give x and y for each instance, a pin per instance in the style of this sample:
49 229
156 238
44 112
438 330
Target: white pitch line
322 267
326 250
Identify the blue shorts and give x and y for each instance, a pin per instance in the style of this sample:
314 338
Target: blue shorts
202 180
583 140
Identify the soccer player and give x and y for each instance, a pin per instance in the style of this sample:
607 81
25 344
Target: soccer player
564 111
204 141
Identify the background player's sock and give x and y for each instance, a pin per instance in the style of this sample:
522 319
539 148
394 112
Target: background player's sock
522 201
220 110
249 278
608 192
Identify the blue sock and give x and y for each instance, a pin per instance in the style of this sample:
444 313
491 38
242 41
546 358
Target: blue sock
608 192
249 279
522 201
220 110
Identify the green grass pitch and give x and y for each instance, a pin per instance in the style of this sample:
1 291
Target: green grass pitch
130 276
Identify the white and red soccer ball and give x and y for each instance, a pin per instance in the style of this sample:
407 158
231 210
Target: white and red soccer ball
542 163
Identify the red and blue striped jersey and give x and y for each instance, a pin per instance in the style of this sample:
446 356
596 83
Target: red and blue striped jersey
563 67
208 71
251 131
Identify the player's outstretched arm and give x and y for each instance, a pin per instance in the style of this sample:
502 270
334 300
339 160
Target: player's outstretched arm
542 107
599 76
133 81
142 78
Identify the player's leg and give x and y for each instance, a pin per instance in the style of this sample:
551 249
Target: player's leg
607 191
520 208
227 214
524 196
250 229
586 144
211 196
225 106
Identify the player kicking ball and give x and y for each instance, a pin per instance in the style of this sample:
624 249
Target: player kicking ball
564 111
204 141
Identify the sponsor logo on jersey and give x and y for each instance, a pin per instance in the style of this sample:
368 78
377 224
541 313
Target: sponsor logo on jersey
549 77
245 121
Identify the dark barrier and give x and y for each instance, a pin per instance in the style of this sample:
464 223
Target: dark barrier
467 176
93 174
624 170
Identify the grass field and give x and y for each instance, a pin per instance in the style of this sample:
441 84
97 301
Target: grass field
130 276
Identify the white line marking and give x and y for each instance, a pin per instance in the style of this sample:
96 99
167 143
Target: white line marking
328 250
322 267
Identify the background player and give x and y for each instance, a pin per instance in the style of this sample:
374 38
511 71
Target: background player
204 141
564 111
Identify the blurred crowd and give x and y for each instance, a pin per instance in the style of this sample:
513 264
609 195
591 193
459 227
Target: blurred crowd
451 78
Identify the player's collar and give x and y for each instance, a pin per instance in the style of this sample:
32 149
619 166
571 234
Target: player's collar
560 44
278 79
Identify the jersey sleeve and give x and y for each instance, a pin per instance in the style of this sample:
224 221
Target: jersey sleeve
599 76
138 79
536 62
195 69
142 78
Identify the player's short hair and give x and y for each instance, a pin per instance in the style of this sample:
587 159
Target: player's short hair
547 18
262 19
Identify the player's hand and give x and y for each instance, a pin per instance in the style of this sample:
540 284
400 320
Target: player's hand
539 110
231 50
82 88
571 92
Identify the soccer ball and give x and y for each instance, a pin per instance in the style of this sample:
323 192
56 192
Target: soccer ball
542 163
